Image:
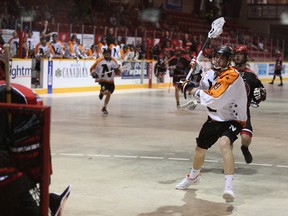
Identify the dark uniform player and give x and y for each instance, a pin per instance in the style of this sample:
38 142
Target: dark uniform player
179 65
278 69
162 64
255 93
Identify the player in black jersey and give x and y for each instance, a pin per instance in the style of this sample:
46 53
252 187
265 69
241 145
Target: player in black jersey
255 93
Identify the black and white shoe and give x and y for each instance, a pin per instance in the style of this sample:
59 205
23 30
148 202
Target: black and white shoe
56 201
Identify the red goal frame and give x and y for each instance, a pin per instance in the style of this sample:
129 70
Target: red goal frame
45 147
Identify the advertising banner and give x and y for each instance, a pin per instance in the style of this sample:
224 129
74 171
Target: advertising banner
20 72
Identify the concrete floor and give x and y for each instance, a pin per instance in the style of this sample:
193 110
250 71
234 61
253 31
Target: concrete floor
128 163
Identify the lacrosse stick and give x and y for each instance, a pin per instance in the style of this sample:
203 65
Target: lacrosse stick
125 67
189 106
216 31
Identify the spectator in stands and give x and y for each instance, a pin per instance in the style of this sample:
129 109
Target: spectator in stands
278 69
186 42
110 36
2 42
14 45
261 45
92 52
194 45
166 38
113 20
58 47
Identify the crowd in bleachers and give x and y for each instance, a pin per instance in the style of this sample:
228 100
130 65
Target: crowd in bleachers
126 20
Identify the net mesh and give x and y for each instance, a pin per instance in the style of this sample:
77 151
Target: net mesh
24 135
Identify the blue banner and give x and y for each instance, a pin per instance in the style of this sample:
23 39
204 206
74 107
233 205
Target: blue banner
135 70
262 69
50 77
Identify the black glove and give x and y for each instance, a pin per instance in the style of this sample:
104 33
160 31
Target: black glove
94 75
259 95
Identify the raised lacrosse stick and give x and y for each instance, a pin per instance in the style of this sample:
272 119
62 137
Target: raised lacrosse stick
216 31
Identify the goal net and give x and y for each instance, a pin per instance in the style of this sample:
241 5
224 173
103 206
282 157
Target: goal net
25 139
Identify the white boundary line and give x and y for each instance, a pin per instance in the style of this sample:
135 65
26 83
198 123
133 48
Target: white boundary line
160 158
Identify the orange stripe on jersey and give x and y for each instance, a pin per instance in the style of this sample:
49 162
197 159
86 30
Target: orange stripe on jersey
223 82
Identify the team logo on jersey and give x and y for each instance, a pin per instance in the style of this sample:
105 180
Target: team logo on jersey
217 85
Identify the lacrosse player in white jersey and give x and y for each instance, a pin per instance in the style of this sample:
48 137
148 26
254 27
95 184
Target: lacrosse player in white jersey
115 50
103 71
222 91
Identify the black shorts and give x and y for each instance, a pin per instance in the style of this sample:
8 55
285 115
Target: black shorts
107 86
211 131
277 72
178 76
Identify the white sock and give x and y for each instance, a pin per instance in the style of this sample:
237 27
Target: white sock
194 173
229 182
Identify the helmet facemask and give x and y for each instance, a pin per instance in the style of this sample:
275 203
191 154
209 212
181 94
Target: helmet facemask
220 62
222 58
107 54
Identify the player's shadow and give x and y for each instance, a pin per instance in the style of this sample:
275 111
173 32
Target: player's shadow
193 206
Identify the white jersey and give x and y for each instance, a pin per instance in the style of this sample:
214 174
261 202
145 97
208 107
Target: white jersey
30 44
58 48
115 52
105 69
224 96
14 46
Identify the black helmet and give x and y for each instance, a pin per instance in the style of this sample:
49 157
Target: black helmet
107 54
225 51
